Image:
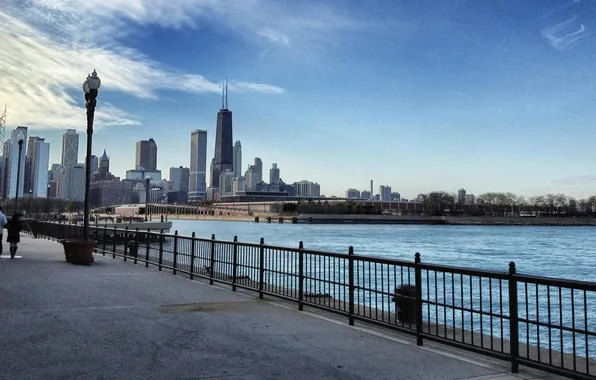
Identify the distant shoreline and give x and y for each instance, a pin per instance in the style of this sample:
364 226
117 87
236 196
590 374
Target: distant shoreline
388 219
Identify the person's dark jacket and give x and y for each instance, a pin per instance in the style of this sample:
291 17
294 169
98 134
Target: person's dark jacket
14 228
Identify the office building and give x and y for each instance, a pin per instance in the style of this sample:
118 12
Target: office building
365 194
104 167
307 189
396 196
254 174
197 184
226 180
71 183
385 193
19 133
353 193
94 164
461 196
5 169
274 174
70 148
38 161
146 158
179 179
237 159
223 157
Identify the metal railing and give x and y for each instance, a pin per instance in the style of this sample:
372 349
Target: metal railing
540 322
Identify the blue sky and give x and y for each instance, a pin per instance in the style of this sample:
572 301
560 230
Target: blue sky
489 96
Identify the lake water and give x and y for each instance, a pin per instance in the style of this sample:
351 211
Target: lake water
564 252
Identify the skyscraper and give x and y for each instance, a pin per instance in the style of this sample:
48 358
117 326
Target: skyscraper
146 155
274 174
222 158
17 134
197 184
254 174
385 193
36 166
94 164
104 167
179 178
70 148
237 159
6 168
39 168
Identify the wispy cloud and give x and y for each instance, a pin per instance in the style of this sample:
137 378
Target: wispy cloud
50 45
565 35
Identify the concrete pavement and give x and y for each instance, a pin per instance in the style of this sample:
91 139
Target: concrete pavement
115 320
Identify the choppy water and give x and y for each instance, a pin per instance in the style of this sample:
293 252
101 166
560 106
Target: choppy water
564 252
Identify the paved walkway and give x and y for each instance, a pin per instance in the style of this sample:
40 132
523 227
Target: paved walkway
115 320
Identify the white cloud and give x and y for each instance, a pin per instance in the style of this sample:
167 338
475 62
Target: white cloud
49 46
565 35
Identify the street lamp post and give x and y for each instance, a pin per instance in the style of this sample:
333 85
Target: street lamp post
16 198
90 87
29 206
147 192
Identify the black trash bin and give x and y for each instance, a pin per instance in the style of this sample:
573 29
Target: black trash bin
133 247
405 303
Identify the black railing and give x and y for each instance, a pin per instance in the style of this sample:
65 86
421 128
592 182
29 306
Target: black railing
535 321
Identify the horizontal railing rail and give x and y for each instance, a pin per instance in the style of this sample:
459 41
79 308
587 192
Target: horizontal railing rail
543 322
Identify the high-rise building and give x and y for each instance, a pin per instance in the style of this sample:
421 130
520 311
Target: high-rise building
179 178
396 196
197 184
104 167
385 193
94 164
5 169
254 174
365 194
19 133
38 160
146 158
353 193
274 174
71 183
461 196
223 157
237 159
307 189
226 180
70 148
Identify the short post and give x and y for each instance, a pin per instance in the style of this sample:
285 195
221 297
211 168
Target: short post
147 247
300 276
192 255
125 242
212 259
137 238
351 284
261 267
175 253
114 244
160 249
418 279
235 263
513 319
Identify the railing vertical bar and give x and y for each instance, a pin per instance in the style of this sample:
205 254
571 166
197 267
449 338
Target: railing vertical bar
501 312
193 242
453 303
513 319
160 260
436 297
351 284
561 325
526 297
573 328
490 306
114 244
212 259
445 304
463 320
300 276
418 280
137 244
125 242
235 263
586 332
538 322
105 238
147 247
472 309
481 315
549 318
261 267
175 253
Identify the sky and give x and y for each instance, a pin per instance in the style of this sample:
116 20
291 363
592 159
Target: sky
420 96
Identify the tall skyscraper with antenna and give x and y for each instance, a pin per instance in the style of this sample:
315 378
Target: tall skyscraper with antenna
223 158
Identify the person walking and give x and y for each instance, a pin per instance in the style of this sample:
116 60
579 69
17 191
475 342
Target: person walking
3 222
14 228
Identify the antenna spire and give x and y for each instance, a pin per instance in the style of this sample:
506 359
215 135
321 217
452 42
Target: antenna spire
226 92
222 96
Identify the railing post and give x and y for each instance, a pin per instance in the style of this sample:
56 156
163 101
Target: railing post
114 244
136 244
105 238
147 247
175 253
235 263
261 267
351 284
212 259
418 279
125 242
192 255
160 249
300 276
513 319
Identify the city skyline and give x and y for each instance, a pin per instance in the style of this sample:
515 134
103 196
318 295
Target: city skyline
491 97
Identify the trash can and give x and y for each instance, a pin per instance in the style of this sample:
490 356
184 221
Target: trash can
405 303
133 248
